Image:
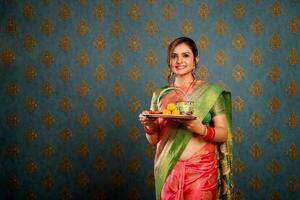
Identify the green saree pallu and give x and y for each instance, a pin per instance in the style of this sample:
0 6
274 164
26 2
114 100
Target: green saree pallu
204 98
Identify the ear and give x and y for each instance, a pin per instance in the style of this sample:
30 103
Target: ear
196 60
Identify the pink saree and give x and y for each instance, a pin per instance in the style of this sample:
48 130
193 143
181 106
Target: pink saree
195 178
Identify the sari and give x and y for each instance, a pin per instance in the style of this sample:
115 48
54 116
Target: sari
175 137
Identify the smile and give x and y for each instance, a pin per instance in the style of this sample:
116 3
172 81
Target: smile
180 67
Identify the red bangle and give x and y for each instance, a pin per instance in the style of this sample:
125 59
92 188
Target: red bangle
210 133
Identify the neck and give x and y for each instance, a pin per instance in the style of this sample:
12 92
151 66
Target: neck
183 80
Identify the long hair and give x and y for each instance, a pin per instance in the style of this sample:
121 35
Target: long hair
189 42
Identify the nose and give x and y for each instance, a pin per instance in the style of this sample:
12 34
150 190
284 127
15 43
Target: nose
179 59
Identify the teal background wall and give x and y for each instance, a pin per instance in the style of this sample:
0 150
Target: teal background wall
75 74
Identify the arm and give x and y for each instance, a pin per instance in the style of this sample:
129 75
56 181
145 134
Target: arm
151 127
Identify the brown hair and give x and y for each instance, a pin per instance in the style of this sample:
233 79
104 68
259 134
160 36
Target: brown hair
175 43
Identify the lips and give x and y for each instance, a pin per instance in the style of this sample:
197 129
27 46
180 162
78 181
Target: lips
179 67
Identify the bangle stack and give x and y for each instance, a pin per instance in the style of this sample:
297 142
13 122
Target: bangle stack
209 133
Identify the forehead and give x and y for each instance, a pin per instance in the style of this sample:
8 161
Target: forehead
180 48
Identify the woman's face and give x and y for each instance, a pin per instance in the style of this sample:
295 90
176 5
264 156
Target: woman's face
182 60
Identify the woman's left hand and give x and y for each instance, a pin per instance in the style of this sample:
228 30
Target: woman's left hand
193 125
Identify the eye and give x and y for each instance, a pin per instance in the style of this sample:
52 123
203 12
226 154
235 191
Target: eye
173 56
186 55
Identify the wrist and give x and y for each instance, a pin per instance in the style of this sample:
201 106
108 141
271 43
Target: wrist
150 131
209 134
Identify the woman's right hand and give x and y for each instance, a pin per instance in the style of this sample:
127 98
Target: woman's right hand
149 123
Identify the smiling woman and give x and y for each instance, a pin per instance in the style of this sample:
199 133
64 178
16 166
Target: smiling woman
186 161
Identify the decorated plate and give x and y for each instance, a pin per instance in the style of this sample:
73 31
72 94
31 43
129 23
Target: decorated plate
171 116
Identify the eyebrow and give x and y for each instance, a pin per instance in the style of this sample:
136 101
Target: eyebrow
186 52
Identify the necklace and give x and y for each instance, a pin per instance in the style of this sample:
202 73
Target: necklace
184 93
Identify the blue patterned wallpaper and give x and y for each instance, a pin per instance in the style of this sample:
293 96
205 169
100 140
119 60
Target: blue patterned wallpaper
75 75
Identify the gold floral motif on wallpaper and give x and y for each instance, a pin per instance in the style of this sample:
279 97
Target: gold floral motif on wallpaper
203 43
256 183
256 120
12 182
11 26
117 180
150 151
238 42
168 12
256 151
256 88
99 12
256 57
100 73
30 167
134 12
117 59
274 167
83 180
275 9
100 165
293 120
12 120
150 180
134 43
30 104
116 28
100 104
117 119
151 1
274 73
64 12
99 43
47 27
83 88
151 28
8 56
134 165
12 151
117 2
83 119
47 58
47 89
30 73
239 167
117 150
65 166
65 104
274 136
100 135
239 11
221 58
12 89
166 41
48 150
203 73
293 57
82 27
292 88
294 24
30 194
293 152
83 58
275 41
150 87
65 194
29 43
151 58
117 89
30 135
203 11
65 135
134 134
221 27
65 43
28 11
238 73
186 27
134 193
134 73
293 184
238 104
274 104
83 150
257 26
238 135
134 104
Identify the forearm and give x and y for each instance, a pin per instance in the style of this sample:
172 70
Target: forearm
152 133
221 134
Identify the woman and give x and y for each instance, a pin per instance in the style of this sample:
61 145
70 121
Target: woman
193 156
